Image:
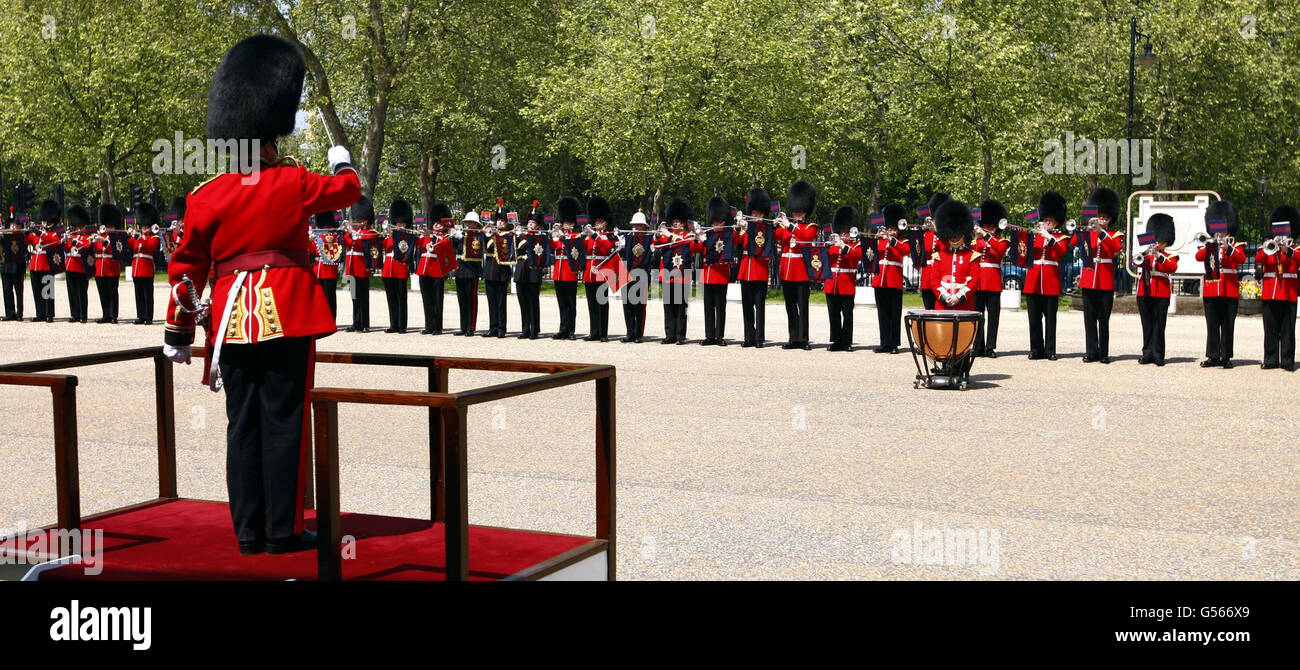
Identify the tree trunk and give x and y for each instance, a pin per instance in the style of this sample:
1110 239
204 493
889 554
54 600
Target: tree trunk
373 149
987 154
107 183
429 168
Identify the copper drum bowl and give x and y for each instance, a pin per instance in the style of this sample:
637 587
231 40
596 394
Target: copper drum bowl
942 327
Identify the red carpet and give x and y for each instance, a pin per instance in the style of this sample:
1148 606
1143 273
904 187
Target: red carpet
193 540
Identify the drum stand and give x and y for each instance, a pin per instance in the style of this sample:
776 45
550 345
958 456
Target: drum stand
950 370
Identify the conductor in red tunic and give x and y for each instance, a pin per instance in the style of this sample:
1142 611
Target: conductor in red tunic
267 306
956 271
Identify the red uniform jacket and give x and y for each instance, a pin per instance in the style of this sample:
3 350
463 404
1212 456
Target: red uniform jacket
105 266
844 269
931 247
1159 268
322 267
1279 273
225 221
599 247
143 247
42 246
957 273
1104 246
76 252
354 243
561 271
1044 275
792 241
992 249
682 273
392 269
751 269
890 254
1226 285
437 256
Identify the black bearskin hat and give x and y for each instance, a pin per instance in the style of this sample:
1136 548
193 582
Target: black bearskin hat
846 217
1052 206
323 219
364 210
440 212
936 200
1287 213
953 219
568 209
400 211
1222 209
678 208
991 212
599 208
1107 202
110 216
255 91
146 215
49 211
1163 226
893 213
718 209
78 216
758 200
801 197
178 206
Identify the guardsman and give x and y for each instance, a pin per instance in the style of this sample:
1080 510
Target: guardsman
1098 246
437 261
675 248
563 273
396 272
13 262
1156 270
1277 261
846 254
532 257
957 268
1043 279
1222 254
144 244
469 269
794 234
267 308
328 256
992 248
78 261
931 245
635 251
107 269
499 268
42 247
600 242
360 241
717 274
755 240
887 282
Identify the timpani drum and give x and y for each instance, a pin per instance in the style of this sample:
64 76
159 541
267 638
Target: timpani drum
942 344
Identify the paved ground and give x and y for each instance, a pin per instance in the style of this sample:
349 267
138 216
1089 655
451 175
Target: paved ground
741 463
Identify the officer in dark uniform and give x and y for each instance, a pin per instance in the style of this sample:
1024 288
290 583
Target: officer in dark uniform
498 268
13 264
469 249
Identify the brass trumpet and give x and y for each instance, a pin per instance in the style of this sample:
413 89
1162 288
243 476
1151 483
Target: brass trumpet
1276 244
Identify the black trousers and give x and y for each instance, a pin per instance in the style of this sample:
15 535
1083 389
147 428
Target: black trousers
566 295
1042 323
361 303
1154 313
43 294
840 308
635 296
796 310
715 311
990 303
597 309
496 300
467 300
1220 321
78 285
431 295
266 388
1279 332
675 297
889 316
331 289
530 307
107 289
753 301
143 298
395 291
1097 305
928 298
12 284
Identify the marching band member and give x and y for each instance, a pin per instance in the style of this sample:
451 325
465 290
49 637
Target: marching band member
716 276
600 246
144 244
755 241
326 269
532 257
1043 279
14 266
988 282
42 247
840 290
634 249
887 283
107 270
1153 292
271 309
1098 246
1278 263
469 268
794 234
498 269
563 273
359 242
931 245
77 252
957 268
396 274
1221 256
437 260
676 249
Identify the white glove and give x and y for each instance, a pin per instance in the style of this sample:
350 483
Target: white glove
458 234
618 246
338 156
177 355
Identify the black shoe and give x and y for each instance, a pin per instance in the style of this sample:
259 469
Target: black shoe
1160 363
805 346
390 330
759 345
1033 356
1051 357
426 331
722 343
834 347
847 347
746 344
1088 359
252 547
590 338
533 336
668 340
1289 367
991 354
1268 366
287 545
1145 361
625 340
1104 360
636 341
103 320
1211 363
682 341
790 345
1227 364
708 342
138 322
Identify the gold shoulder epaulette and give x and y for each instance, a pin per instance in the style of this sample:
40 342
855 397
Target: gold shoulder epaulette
196 188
